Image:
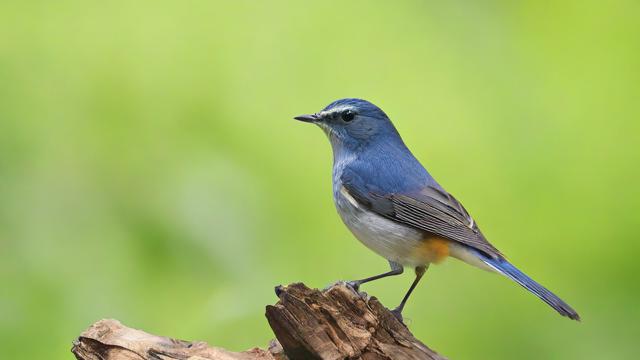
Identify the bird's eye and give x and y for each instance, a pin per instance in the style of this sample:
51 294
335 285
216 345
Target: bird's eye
348 115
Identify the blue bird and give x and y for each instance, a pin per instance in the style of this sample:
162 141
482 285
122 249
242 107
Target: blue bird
394 207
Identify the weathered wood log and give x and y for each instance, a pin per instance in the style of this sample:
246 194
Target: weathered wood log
109 340
335 323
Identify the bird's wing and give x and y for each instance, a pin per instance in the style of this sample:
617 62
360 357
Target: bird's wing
431 209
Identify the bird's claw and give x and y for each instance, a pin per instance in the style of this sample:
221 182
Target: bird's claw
355 285
398 315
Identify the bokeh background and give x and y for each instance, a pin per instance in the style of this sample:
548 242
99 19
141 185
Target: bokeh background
150 170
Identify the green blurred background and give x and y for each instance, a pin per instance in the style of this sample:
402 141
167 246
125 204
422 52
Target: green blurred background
150 170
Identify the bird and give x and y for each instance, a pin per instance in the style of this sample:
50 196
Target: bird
393 205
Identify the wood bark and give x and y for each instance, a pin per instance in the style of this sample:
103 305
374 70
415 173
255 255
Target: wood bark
335 323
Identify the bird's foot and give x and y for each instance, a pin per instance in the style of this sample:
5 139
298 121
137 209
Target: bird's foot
397 312
355 285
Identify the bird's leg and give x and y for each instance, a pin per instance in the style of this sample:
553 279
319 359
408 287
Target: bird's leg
420 270
396 269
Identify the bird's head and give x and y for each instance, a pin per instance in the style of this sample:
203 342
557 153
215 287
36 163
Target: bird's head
352 123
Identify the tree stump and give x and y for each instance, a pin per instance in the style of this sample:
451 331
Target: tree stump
335 323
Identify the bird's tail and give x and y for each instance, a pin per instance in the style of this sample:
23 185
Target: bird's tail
506 268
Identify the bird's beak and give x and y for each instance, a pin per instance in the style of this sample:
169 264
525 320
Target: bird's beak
310 118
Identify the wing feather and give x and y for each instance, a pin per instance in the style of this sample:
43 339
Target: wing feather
432 210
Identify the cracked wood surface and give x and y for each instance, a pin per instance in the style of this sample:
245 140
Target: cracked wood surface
336 323
339 323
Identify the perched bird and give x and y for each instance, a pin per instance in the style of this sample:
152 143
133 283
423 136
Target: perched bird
395 208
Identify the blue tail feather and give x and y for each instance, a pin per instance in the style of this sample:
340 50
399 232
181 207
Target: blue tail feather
504 267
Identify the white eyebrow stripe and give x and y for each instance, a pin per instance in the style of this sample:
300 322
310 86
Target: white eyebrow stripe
336 110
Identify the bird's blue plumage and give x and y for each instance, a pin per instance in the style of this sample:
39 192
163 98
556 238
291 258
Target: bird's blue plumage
395 207
377 167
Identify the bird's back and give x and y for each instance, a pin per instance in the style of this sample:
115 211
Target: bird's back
385 165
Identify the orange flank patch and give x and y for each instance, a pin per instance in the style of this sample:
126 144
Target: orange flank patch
433 249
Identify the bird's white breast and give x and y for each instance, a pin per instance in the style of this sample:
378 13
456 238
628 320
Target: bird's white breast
391 240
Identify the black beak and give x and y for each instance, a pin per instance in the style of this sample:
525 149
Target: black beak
307 118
